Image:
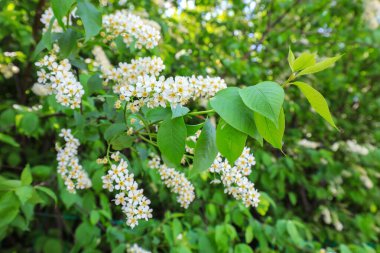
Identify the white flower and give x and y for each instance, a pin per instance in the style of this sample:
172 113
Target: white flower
68 164
57 78
176 181
235 178
134 204
129 26
136 249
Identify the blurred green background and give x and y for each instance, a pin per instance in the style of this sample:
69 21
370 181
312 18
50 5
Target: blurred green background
323 195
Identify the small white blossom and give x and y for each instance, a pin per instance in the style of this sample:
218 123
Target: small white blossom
71 171
175 181
234 178
133 203
129 27
57 78
136 249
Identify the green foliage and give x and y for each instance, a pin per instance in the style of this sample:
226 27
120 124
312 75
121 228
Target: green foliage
205 149
91 18
319 194
171 138
229 141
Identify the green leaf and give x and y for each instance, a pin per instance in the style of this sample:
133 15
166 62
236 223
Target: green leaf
249 234
26 176
192 129
303 61
158 114
29 123
265 98
291 59
227 103
242 248
293 232
94 217
9 208
24 193
53 245
317 101
48 192
171 140
9 184
8 140
205 149
179 111
122 141
60 9
45 42
67 42
322 65
114 130
91 18
86 233
344 249
230 142
269 131
94 83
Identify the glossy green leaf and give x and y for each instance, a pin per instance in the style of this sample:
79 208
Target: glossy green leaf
192 129
230 142
8 140
322 65
269 131
179 111
24 193
91 18
158 114
303 61
26 176
205 149
46 40
114 130
265 98
122 141
317 101
291 58
68 42
242 248
171 139
29 123
227 103
60 9
9 208
48 192
293 232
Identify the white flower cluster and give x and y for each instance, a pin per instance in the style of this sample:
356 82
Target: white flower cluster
71 171
129 27
134 204
48 15
138 83
136 249
58 79
126 74
176 181
235 178
8 70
